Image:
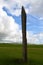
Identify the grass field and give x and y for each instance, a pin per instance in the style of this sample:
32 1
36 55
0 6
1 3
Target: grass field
11 54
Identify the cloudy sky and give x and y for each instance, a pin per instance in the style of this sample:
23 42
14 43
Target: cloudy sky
10 20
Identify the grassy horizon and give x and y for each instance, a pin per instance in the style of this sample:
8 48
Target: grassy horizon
11 54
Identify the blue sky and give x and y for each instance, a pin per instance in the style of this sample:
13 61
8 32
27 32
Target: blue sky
34 24
10 10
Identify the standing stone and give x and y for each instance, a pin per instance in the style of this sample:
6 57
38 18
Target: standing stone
23 18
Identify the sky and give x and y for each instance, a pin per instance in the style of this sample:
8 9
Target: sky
11 24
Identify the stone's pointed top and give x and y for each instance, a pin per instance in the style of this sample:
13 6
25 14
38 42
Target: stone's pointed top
22 7
23 10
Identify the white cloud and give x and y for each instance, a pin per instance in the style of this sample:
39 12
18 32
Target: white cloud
9 29
41 18
17 12
14 6
35 7
34 38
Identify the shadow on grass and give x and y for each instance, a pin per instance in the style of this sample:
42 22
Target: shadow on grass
17 61
12 61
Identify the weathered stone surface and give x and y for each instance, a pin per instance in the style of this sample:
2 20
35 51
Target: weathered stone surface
23 18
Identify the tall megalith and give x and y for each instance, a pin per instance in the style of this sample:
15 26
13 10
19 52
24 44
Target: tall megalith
24 40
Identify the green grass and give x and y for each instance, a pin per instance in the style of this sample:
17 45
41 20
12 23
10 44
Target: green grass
11 54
